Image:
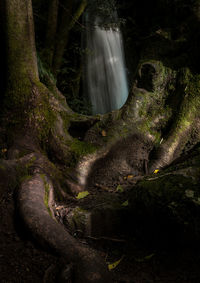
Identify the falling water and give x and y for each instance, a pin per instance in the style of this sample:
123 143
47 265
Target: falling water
105 75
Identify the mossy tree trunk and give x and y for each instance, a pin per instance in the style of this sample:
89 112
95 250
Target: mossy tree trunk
33 115
37 123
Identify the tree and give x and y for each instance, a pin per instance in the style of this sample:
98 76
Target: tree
38 145
30 117
60 20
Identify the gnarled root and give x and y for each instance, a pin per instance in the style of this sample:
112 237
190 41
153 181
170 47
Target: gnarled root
87 264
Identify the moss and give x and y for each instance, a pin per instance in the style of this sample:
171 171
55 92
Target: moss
31 111
27 166
16 102
151 113
2 167
190 104
166 187
169 203
22 171
191 99
21 61
25 178
156 109
66 120
79 217
26 99
81 148
52 88
43 116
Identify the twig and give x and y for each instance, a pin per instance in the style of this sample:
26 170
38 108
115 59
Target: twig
61 5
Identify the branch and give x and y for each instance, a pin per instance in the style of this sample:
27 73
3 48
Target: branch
63 33
78 13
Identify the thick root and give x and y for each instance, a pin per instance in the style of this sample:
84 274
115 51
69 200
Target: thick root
88 265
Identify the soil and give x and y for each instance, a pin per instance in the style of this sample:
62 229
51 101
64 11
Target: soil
128 156
22 260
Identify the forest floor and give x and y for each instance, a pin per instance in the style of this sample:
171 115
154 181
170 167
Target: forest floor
23 261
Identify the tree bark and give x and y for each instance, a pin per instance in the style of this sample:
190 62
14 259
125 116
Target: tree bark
22 62
22 72
186 123
35 119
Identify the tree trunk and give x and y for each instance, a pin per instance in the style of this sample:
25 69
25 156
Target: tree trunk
68 20
51 32
45 159
34 114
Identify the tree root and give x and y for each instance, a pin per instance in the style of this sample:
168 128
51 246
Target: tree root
87 263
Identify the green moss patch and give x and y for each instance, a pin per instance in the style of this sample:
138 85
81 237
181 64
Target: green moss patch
81 148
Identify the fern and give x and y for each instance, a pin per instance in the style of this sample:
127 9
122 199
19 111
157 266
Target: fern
44 71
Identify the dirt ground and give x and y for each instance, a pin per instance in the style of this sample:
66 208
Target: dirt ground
23 261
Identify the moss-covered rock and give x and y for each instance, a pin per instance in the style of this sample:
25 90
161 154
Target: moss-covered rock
166 208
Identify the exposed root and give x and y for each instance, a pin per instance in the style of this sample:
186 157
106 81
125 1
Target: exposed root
88 265
171 148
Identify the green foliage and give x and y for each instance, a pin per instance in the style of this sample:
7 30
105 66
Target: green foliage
114 264
69 82
120 189
125 203
82 194
106 12
44 72
80 106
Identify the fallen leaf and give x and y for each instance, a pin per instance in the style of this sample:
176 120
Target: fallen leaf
129 176
189 193
119 189
125 203
59 207
82 194
148 257
103 133
156 171
114 264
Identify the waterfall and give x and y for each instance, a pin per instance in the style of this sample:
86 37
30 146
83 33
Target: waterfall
105 75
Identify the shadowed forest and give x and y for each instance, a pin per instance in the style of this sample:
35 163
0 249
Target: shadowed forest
99 141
